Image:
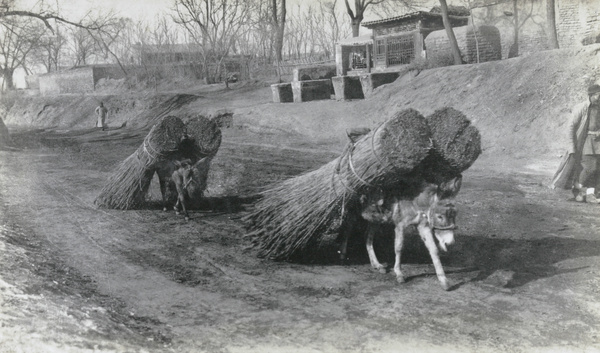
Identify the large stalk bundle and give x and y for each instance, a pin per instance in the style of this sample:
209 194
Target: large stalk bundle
295 213
128 185
205 134
204 139
456 144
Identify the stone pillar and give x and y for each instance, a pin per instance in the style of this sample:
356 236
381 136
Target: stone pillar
347 87
282 93
305 91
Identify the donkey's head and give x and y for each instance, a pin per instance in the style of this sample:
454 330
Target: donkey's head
443 214
443 224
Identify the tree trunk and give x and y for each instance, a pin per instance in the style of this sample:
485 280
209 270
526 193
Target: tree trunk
450 33
514 50
7 75
279 24
551 20
355 22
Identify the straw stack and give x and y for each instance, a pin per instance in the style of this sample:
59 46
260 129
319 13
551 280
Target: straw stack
293 215
128 185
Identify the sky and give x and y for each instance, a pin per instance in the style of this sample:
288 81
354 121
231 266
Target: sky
135 9
75 9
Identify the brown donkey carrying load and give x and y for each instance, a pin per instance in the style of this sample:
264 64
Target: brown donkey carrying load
167 142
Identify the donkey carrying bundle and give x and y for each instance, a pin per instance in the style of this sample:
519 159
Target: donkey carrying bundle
295 215
167 142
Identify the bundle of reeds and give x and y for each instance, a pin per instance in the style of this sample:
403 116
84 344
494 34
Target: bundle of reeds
456 144
128 185
205 136
293 215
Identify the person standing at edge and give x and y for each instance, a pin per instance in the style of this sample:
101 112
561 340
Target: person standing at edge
584 133
101 113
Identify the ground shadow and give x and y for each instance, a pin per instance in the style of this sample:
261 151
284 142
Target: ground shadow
523 260
217 204
519 261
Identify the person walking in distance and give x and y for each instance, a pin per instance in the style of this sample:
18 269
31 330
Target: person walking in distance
584 134
101 113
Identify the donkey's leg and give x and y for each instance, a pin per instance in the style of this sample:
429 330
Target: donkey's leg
163 190
344 246
372 229
398 243
181 201
427 237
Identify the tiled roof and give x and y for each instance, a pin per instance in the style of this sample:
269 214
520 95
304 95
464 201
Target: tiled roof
408 16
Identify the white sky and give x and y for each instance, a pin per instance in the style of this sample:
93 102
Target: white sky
135 9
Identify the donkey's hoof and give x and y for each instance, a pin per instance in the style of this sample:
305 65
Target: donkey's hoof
177 212
445 284
382 269
400 279
187 218
164 209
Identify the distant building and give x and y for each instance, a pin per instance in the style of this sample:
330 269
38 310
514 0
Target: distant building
188 60
394 41
168 53
577 23
400 40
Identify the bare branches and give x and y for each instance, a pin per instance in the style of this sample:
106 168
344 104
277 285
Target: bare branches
46 18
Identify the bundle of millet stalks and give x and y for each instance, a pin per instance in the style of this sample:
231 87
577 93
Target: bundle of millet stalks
294 215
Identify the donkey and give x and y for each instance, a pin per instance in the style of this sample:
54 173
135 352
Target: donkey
186 178
424 205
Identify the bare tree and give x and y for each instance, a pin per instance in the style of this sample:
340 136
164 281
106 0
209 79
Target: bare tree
357 16
214 25
279 13
450 32
83 46
551 20
391 8
18 38
25 26
50 50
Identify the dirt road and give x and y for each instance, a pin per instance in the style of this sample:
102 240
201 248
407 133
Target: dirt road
76 278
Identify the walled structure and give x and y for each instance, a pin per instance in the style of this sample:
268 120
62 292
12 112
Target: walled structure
400 40
77 80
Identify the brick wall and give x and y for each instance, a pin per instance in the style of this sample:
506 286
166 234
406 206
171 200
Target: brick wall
485 38
576 20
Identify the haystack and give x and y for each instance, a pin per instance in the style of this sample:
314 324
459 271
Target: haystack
295 213
128 185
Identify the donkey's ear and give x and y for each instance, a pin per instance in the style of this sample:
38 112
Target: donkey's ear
451 187
177 164
203 160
